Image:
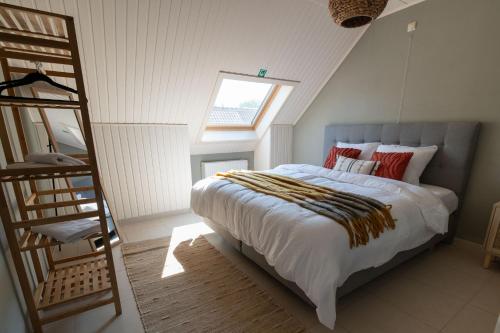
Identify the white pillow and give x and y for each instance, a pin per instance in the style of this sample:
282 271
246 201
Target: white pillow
352 165
421 157
367 149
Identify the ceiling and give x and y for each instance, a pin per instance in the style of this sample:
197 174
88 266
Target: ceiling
157 61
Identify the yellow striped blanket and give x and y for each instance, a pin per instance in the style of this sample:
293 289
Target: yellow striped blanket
361 216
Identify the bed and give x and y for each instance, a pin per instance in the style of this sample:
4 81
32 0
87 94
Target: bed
307 252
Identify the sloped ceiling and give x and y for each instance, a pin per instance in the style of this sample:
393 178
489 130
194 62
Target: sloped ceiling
156 61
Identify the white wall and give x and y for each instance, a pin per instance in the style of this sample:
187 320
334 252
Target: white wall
145 169
262 153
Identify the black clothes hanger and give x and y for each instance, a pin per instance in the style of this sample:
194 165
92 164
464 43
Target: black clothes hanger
32 78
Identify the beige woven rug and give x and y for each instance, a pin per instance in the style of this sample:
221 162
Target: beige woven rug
205 293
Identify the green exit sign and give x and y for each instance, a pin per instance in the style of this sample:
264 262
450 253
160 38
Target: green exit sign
262 72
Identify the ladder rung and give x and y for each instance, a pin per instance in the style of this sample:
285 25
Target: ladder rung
31 11
54 219
6 37
20 32
79 155
36 57
15 69
38 177
39 102
60 204
79 309
50 52
31 169
80 257
66 190
38 172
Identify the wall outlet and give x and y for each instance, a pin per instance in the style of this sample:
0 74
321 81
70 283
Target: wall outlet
412 26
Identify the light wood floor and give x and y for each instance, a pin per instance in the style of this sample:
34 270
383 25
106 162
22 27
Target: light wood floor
446 290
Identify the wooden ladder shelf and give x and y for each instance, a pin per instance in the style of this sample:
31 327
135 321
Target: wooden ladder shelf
29 35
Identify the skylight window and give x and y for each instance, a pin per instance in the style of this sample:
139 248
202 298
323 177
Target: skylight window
240 103
242 107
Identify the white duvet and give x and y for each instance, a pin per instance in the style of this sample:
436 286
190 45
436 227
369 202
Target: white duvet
312 250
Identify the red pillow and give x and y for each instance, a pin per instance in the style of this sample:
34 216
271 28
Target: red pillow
335 151
392 165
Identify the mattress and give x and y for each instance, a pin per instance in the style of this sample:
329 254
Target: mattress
312 250
447 196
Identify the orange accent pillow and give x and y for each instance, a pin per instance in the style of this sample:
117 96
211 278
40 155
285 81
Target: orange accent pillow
392 165
331 159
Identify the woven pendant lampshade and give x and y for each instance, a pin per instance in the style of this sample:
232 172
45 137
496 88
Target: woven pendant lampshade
355 13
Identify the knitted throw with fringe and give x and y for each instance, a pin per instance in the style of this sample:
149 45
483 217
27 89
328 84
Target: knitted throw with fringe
361 216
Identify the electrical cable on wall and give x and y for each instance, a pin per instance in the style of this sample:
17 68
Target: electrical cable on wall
411 30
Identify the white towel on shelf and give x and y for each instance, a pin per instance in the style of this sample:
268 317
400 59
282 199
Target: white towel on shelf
69 231
53 159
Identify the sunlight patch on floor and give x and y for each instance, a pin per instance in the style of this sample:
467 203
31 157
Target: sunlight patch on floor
179 235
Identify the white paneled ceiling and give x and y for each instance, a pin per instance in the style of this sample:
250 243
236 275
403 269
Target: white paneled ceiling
395 5
156 61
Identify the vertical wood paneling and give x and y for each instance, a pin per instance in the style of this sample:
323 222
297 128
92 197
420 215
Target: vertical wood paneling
156 61
145 169
102 159
153 25
121 60
274 148
140 54
131 25
95 9
143 166
281 144
119 167
109 17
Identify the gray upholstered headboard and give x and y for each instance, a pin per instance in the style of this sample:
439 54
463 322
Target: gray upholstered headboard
451 165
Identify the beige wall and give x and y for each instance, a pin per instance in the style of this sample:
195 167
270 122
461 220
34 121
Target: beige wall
453 74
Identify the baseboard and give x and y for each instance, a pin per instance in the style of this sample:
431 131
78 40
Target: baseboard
154 216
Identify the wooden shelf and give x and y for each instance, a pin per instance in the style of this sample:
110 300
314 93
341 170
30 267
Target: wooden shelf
71 282
32 241
33 41
38 103
27 171
60 191
33 35
60 204
55 219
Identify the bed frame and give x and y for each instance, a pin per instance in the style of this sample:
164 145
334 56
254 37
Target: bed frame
449 168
